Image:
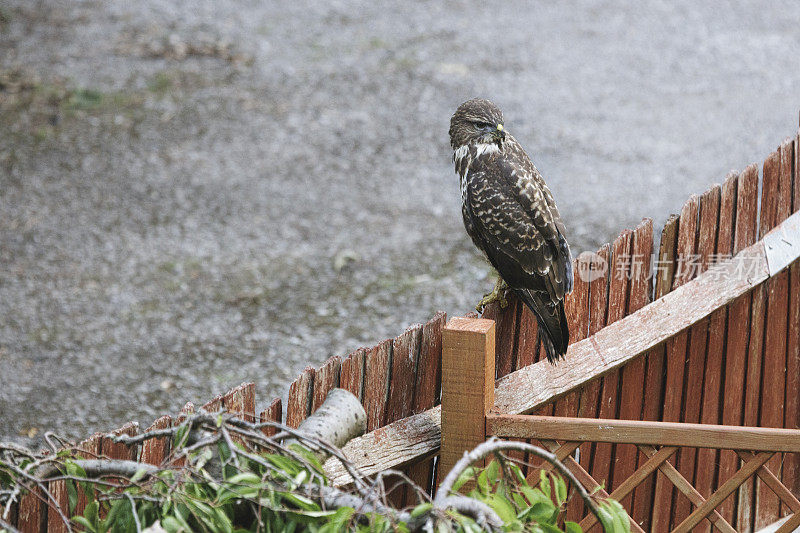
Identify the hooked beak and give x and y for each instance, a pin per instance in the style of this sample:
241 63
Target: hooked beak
499 134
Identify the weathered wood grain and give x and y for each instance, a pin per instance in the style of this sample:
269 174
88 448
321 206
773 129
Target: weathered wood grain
676 355
467 386
603 465
298 401
352 373
154 451
642 510
241 401
632 391
426 395
644 432
272 413
506 328
376 383
325 380
774 373
405 350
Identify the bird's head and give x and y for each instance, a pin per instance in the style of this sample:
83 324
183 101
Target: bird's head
477 121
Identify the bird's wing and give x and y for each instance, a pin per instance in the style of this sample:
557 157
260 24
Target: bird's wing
511 212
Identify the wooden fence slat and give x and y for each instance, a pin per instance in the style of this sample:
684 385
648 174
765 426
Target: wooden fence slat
712 381
325 380
32 514
737 337
352 373
154 451
376 383
506 321
405 351
776 185
599 271
676 352
272 413
428 388
791 469
577 311
698 340
632 383
241 401
298 401
656 370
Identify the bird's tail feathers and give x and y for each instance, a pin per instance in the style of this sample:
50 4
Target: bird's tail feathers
552 322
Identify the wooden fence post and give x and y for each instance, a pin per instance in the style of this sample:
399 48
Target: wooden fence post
467 387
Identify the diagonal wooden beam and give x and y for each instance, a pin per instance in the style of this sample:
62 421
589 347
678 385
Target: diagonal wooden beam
689 491
649 466
790 525
774 483
561 453
748 469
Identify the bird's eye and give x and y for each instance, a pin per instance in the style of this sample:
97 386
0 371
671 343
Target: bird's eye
482 125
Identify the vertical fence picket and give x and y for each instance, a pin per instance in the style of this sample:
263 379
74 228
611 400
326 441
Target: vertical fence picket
791 469
298 401
632 380
712 382
352 373
698 341
675 360
272 413
155 450
776 201
376 383
426 395
505 321
602 468
325 380
241 401
643 496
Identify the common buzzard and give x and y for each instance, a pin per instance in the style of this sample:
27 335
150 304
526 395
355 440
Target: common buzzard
510 214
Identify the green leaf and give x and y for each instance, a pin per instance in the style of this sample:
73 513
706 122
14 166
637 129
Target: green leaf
465 476
421 509
138 475
503 508
172 525
83 521
561 489
493 471
572 527
544 483
483 482
72 495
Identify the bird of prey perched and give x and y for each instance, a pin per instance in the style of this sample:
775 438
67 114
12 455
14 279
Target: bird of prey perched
510 214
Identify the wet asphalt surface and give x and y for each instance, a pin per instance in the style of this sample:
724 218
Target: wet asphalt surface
196 194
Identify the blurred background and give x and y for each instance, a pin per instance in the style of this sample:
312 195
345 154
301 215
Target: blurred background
199 193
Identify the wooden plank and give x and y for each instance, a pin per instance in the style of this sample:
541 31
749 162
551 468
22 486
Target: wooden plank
602 463
656 371
376 383
87 449
791 525
698 341
774 363
791 468
676 354
577 312
737 337
632 391
298 401
747 470
272 413
154 451
426 395
32 514
598 314
712 381
467 386
405 353
352 373
241 401
325 380
506 321
644 432
405 350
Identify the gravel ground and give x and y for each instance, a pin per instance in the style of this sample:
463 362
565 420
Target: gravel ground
196 194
